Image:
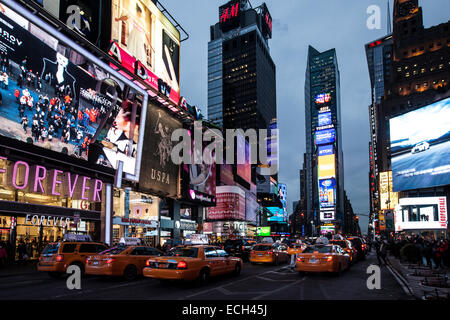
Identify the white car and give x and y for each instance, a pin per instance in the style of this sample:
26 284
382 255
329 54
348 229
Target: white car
420 147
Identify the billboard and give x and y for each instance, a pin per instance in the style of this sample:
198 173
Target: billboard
420 147
323 98
326 167
325 229
230 204
388 199
263 231
327 193
421 213
277 214
251 204
159 173
200 178
327 214
324 119
243 170
143 39
74 105
325 136
325 150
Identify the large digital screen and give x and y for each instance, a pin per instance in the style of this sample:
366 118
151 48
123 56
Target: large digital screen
326 167
420 147
142 31
68 104
277 214
325 150
230 204
243 166
388 199
263 231
323 98
421 213
327 214
324 119
325 136
327 193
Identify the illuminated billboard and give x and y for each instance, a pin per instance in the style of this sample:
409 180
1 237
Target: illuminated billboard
325 136
420 147
277 214
324 119
421 214
144 40
325 150
243 166
230 204
75 105
323 98
327 193
325 229
388 199
326 167
263 231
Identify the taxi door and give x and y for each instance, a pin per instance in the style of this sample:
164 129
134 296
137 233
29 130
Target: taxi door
226 262
138 257
213 260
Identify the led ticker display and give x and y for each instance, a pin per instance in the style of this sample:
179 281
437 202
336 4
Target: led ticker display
326 167
325 136
327 193
420 147
323 98
81 110
324 119
325 150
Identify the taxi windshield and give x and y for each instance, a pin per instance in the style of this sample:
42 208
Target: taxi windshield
320 249
183 252
114 250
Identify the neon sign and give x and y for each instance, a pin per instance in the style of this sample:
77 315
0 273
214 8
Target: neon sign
229 13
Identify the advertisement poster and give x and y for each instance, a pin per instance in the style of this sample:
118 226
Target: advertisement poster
420 147
325 136
326 167
230 204
325 150
71 106
426 213
158 172
263 231
324 119
327 193
140 29
243 167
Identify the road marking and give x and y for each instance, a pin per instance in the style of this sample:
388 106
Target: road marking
279 289
268 279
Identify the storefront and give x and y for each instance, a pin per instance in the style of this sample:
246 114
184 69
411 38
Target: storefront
135 215
40 204
223 230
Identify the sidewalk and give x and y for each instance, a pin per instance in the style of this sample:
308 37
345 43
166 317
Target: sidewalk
18 269
414 282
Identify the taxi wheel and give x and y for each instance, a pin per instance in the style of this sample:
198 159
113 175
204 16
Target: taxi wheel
130 273
276 261
237 269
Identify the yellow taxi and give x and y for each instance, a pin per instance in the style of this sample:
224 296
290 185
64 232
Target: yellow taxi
296 248
58 256
347 246
192 262
122 261
323 258
275 253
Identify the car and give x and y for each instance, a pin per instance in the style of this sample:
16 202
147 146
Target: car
274 253
420 147
323 258
121 261
192 262
296 248
57 257
239 248
347 246
360 246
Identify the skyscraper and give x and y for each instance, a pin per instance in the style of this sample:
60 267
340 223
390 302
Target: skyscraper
241 72
324 157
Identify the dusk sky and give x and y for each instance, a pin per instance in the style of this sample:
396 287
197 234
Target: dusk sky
323 24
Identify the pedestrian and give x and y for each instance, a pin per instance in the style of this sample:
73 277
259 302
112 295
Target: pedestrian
24 123
17 95
5 80
383 250
22 250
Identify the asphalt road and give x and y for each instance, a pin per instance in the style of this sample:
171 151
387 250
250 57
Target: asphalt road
256 282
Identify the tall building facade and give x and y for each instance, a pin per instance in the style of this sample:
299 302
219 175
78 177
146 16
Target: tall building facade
324 156
409 72
241 72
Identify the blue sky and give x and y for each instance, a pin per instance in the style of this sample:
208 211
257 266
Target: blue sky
324 24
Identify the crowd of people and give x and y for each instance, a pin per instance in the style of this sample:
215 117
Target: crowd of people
26 250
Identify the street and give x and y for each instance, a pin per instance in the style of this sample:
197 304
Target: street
256 282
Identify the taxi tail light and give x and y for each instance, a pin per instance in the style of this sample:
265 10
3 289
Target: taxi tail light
329 258
252 252
40 258
243 248
181 265
300 259
59 258
147 263
111 260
